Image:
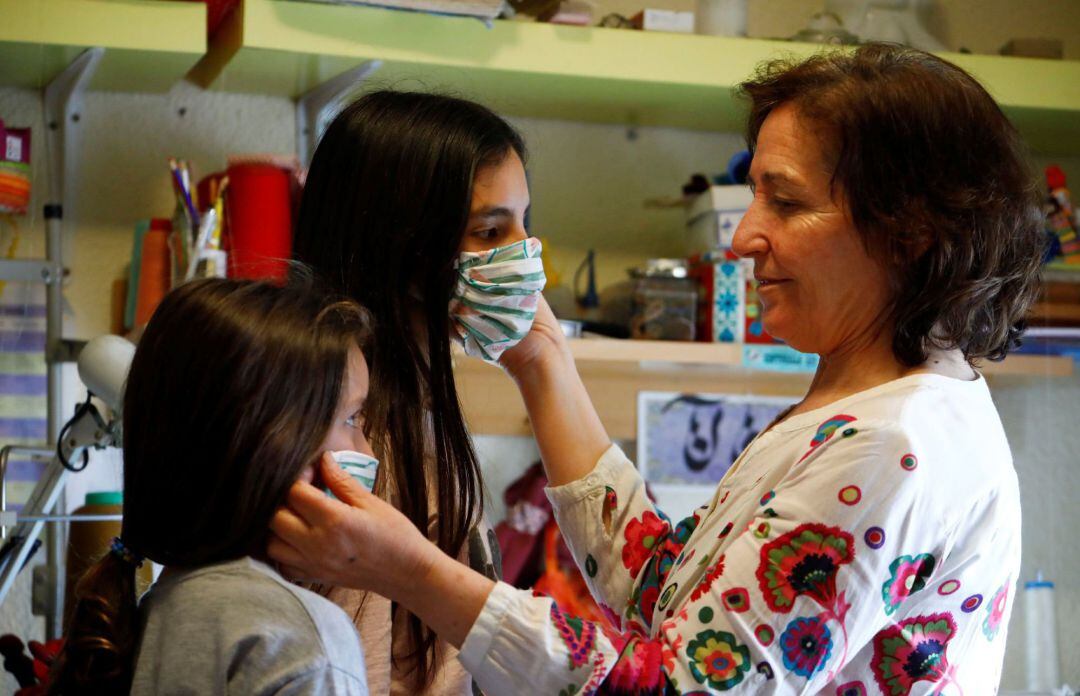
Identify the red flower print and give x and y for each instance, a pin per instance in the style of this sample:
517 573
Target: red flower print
703 587
649 596
804 561
638 668
642 538
911 651
670 652
611 615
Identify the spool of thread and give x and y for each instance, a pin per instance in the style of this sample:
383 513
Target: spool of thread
117 306
154 274
1043 663
259 214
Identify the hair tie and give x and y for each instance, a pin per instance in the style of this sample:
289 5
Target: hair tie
125 554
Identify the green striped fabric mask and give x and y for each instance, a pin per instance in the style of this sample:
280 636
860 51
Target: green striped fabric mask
495 298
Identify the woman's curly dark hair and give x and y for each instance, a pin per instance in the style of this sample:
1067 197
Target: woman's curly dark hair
937 182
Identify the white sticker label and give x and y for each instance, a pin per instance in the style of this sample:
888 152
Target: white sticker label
13 151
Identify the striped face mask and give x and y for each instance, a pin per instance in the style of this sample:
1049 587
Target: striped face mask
495 298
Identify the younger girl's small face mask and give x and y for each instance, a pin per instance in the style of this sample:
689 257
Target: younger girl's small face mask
495 298
360 466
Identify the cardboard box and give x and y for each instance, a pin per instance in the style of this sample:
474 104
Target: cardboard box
664 20
713 216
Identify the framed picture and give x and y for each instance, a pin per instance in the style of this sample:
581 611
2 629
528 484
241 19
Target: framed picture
693 439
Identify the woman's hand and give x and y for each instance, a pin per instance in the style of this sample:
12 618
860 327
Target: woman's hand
545 341
362 542
357 541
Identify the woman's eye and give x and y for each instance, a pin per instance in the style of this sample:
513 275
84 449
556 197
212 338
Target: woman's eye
784 204
356 420
487 235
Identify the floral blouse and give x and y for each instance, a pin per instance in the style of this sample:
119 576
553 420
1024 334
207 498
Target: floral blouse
869 547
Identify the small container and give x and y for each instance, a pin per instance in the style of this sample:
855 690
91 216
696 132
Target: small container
664 301
721 17
571 328
713 216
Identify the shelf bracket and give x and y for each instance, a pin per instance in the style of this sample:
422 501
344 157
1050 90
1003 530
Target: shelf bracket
316 108
63 107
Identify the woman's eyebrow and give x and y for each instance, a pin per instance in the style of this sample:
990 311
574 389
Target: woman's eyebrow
773 177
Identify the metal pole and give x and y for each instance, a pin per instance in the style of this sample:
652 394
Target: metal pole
5 455
63 101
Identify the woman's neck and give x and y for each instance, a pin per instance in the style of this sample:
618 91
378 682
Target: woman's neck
849 371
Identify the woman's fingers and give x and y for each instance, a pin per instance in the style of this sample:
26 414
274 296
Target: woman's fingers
283 552
288 525
341 484
312 505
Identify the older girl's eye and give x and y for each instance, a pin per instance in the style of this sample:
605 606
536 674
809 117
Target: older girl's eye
486 235
356 420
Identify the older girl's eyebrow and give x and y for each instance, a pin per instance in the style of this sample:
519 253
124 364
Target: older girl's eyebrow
492 212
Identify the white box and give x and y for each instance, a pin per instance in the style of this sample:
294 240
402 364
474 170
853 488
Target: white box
667 20
713 216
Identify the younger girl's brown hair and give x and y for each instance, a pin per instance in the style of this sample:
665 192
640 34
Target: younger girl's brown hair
231 392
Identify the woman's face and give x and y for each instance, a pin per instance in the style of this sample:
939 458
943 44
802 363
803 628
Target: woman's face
820 290
500 199
347 430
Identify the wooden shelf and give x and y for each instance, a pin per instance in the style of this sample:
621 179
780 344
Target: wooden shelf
615 371
150 44
1055 313
576 73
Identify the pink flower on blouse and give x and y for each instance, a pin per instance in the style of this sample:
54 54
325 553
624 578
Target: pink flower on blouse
907 575
996 612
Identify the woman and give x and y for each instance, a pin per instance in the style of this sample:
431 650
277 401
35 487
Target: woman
402 185
869 540
236 390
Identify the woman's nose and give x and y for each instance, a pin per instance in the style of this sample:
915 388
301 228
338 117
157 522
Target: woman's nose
749 239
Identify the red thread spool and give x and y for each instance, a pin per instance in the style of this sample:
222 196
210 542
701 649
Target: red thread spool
260 221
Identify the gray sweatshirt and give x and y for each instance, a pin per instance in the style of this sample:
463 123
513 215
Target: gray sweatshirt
240 628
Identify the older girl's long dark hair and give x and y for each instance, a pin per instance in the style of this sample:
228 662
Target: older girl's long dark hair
231 392
381 220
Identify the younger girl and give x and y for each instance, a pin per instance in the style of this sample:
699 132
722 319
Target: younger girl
235 391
